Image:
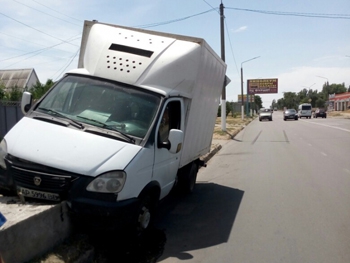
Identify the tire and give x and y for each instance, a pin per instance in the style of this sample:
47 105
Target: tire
271 119
146 213
187 178
284 119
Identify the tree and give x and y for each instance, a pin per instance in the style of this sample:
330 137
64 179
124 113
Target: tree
2 91
333 89
320 103
302 96
291 100
38 90
257 102
274 104
14 95
228 109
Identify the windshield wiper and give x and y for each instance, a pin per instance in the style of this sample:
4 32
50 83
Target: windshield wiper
129 138
56 113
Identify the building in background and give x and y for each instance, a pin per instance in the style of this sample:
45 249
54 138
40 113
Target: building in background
23 79
339 102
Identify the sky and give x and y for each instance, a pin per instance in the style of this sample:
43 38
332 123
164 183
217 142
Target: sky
301 43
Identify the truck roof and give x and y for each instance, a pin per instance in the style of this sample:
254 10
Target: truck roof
165 63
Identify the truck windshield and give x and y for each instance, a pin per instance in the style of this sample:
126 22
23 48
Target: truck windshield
103 104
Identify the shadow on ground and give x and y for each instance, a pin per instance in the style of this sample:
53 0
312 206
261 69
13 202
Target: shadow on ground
183 223
203 219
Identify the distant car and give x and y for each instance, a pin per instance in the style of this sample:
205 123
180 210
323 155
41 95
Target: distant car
320 113
290 114
265 113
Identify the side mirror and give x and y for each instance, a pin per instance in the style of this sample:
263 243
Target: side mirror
26 102
176 139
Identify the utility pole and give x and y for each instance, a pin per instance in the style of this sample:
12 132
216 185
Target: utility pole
223 96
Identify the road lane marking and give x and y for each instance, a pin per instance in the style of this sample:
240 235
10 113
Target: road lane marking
285 136
256 138
329 126
324 154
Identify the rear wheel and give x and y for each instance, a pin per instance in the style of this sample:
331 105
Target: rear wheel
187 178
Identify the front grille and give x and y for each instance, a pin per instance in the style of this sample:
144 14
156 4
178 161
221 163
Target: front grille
47 181
40 177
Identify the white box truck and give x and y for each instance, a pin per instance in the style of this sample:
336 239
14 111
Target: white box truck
115 135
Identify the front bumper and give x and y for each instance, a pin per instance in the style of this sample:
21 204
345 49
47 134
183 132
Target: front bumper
98 209
265 117
291 117
103 214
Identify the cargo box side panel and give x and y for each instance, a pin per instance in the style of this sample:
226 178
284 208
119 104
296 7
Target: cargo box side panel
202 112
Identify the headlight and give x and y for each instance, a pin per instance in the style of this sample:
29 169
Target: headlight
3 153
111 182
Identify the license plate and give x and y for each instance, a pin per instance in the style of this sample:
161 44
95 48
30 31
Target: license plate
38 194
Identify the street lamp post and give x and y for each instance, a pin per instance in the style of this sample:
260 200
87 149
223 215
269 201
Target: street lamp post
309 86
324 78
242 99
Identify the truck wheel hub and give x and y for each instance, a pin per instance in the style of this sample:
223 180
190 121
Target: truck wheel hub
144 218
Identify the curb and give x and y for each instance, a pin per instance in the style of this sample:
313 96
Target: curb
36 235
215 148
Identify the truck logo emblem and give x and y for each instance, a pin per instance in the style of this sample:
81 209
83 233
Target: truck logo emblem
37 180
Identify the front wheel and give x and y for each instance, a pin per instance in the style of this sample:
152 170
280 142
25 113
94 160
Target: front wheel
145 213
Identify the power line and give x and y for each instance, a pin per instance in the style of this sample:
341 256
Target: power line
36 29
313 15
45 13
233 55
37 51
212 7
70 62
27 41
57 11
174 20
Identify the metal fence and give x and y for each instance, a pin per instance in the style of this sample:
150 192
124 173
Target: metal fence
10 114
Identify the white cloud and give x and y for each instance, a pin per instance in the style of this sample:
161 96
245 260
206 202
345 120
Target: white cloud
241 29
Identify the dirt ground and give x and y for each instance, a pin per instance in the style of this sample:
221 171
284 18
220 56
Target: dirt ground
233 126
339 114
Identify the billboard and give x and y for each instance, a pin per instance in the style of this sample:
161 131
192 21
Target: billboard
251 98
262 86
